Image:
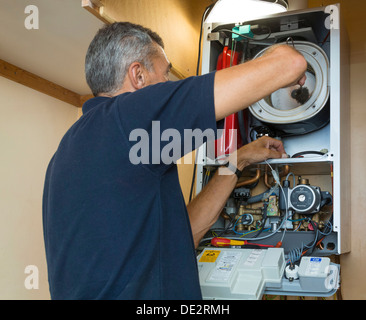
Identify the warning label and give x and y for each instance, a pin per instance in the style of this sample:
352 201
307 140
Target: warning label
210 256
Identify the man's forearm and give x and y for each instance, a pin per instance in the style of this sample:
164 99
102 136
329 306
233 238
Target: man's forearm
205 209
240 86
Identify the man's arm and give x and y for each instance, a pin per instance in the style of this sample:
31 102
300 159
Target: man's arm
240 86
205 209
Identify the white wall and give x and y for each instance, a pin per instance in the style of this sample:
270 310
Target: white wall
31 127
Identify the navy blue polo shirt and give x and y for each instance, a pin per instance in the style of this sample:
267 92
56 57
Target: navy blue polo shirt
114 229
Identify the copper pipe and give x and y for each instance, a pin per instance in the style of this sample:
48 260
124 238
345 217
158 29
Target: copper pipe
269 186
252 211
285 171
282 174
250 181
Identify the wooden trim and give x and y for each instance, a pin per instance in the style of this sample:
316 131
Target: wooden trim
85 98
35 82
96 11
177 73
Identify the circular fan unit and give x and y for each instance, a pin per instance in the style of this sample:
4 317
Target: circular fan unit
298 110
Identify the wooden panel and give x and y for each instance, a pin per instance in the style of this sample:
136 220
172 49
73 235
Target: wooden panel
353 264
35 82
185 171
176 21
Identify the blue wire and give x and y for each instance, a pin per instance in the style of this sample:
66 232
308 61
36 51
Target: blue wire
296 220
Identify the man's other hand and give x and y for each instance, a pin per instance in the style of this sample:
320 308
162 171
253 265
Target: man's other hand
260 150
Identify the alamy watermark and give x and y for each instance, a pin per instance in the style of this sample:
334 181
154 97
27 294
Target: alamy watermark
32 280
32 20
170 146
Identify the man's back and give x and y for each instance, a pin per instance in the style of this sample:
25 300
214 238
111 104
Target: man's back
114 230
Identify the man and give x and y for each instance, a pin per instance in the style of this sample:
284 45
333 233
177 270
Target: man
117 230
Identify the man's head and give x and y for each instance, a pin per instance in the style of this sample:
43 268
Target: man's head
125 57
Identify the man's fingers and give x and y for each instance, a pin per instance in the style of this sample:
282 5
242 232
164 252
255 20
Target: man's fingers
272 154
302 81
275 148
274 144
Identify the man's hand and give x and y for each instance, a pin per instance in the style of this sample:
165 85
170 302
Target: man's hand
260 150
302 77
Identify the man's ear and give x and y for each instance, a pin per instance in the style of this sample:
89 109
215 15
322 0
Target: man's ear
137 75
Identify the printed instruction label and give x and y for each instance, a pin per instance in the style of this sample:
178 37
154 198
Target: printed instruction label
253 257
210 256
225 266
313 267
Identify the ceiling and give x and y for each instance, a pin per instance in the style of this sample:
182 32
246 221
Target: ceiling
56 50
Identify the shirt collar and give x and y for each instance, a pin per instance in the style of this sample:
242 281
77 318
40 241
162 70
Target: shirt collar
93 102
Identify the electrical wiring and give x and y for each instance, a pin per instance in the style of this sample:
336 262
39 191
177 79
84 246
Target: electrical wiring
296 220
234 238
262 196
264 237
330 226
305 248
205 13
325 39
294 180
311 247
233 50
273 232
206 178
303 153
249 232
298 227
295 255
275 176
228 227
237 220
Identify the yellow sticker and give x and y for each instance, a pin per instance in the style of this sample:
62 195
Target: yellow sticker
210 256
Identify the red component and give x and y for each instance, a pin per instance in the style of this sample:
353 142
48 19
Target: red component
279 244
226 144
223 61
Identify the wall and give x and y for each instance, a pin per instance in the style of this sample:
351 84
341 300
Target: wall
353 264
297 4
31 126
176 21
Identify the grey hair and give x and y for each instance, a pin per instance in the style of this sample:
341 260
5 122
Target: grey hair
114 48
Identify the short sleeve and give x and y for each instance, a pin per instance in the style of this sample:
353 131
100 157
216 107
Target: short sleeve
165 121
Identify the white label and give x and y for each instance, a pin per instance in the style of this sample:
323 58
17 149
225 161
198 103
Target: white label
313 267
253 257
225 266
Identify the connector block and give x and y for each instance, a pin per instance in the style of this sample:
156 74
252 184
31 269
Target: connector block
242 30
